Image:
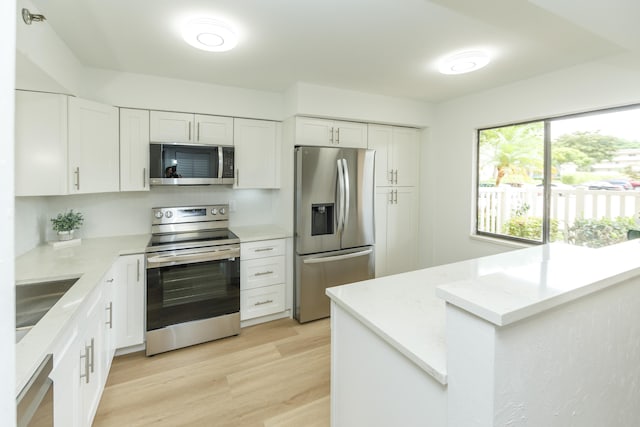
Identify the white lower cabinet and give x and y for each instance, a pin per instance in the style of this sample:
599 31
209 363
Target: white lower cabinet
82 357
396 210
262 278
129 310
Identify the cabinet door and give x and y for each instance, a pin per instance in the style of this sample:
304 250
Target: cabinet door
166 126
381 139
405 156
110 281
93 147
134 150
402 231
310 131
41 144
350 134
66 380
383 199
213 130
257 153
91 359
129 311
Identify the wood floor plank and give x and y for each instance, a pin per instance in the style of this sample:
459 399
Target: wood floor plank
277 372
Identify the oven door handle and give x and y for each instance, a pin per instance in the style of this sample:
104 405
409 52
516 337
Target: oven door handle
168 260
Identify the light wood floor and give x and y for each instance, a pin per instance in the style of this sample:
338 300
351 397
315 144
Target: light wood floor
272 375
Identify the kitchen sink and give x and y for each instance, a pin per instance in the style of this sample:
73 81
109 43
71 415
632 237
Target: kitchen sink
34 300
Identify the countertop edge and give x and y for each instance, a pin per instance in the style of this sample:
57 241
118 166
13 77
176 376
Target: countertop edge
441 377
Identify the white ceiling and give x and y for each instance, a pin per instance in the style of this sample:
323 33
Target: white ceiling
388 47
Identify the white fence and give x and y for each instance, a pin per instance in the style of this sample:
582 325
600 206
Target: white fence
496 205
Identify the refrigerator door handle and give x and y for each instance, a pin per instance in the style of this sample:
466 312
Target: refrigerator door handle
345 219
337 257
341 191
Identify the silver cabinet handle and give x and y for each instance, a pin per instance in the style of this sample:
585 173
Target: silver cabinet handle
391 197
93 353
189 131
264 273
144 177
110 280
198 131
331 135
77 174
264 249
396 177
110 310
85 356
269 301
237 177
391 176
395 198
338 136
137 270
337 257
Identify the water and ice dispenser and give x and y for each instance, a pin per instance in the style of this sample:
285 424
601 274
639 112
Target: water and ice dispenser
322 219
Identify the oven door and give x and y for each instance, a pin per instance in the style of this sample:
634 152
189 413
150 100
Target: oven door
189 285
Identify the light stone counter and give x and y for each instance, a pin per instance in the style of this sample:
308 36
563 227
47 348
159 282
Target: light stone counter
254 233
408 310
88 262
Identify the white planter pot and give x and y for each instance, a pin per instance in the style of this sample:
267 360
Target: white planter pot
65 235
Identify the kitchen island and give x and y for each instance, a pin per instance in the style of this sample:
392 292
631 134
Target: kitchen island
548 335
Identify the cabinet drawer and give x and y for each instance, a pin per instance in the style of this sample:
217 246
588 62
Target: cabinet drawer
261 301
255 273
261 249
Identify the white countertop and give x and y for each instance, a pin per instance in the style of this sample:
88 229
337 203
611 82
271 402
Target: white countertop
253 233
88 261
408 310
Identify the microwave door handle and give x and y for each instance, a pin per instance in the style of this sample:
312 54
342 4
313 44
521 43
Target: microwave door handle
345 221
220 161
340 196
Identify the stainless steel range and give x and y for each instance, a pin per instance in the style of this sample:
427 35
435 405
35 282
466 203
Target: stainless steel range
193 277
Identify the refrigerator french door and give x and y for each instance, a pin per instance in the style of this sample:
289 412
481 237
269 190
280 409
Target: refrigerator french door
334 224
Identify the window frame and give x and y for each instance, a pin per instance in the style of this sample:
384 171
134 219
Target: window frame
547 176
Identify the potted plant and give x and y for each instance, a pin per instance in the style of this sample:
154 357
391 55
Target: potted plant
65 224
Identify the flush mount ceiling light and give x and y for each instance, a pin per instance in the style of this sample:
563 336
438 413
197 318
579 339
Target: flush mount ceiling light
209 34
464 62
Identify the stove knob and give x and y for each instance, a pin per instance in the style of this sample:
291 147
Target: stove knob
223 211
214 211
158 214
169 214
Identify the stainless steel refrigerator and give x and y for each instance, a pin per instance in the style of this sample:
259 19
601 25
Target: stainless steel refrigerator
334 224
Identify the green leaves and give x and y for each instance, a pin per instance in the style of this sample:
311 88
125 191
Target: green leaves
67 221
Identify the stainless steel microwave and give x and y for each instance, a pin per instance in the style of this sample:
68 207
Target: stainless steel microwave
182 164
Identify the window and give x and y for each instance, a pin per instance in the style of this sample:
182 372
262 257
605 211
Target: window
574 179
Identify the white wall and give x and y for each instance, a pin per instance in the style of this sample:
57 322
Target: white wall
109 214
600 84
7 292
321 101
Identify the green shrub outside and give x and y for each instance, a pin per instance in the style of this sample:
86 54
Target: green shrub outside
530 227
596 233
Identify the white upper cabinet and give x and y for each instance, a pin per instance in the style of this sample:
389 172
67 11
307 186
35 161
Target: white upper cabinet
41 144
134 150
93 147
65 145
397 155
166 126
213 130
330 133
257 153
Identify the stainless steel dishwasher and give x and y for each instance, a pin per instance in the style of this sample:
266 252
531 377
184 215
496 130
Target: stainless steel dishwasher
35 401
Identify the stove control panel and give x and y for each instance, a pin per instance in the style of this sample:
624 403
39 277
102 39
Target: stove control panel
187 214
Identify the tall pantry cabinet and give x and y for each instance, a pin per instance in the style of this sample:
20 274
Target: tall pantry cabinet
396 203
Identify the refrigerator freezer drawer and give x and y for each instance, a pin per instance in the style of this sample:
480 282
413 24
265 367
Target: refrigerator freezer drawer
315 273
